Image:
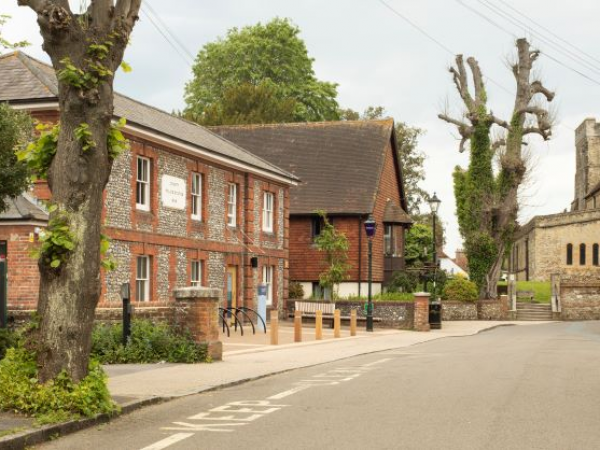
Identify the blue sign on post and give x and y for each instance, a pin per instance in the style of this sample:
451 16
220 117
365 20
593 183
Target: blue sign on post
262 302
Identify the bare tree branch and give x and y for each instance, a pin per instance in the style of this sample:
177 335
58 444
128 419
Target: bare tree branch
499 143
538 88
100 12
477 81
453 121
544 133
461 82
37 5
498 121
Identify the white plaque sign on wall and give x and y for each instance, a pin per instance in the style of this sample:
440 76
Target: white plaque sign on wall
173 192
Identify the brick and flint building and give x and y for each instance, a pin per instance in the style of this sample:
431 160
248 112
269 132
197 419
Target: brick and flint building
183 206
350 170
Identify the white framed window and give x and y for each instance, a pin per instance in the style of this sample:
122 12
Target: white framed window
268 206
268 281
232 205
142 193
142 279
196 278
197 196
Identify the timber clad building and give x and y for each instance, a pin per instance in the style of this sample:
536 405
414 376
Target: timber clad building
183 206
350 170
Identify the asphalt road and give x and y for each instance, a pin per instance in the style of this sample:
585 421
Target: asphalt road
531 387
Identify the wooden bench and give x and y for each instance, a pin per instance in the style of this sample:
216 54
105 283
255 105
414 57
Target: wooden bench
529 295
309 310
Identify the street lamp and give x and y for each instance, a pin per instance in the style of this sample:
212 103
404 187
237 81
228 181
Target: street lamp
435 308
434 204
370 228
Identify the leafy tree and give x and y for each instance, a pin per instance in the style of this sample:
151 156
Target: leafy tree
249 104
411 158
86 49
487 203
419 240
335 245
270 57
15 131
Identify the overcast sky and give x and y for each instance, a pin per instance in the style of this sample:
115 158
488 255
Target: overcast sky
379 59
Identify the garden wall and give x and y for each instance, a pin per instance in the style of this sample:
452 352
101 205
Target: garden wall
580 300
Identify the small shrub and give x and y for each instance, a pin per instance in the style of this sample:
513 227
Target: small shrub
8 339
57 400
295 290
148 343
460 289
404 282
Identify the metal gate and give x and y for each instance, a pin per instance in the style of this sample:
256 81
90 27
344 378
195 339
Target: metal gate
3 283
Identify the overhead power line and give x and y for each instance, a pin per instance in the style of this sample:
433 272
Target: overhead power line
181 45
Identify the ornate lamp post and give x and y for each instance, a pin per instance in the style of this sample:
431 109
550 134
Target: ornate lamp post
370 228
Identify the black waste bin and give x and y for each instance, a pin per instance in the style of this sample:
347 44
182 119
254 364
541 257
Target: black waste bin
435 314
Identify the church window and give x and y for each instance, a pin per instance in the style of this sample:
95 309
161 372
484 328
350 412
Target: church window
595 254
569 254
582 254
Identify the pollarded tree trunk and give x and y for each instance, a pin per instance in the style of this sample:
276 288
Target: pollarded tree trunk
487 204
86 49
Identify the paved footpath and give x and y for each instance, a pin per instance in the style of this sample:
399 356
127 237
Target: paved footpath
244 359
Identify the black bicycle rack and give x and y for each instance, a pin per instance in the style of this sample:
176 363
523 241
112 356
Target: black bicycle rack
225 313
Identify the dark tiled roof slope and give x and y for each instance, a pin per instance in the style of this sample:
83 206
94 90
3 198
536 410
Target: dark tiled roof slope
24 78
339 163
23 207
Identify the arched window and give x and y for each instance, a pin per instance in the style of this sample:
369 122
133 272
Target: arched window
582 254
569 254
595 254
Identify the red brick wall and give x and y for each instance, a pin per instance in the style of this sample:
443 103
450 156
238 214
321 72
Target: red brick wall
23 275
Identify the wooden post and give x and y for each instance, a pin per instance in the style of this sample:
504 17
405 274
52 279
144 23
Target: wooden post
319 325
337 324
274 327
353 321
297 326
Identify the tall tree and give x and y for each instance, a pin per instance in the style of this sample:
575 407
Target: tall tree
487 202
411 157
86 49
272 56
15 131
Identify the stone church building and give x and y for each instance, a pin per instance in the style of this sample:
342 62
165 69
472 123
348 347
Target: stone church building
566 244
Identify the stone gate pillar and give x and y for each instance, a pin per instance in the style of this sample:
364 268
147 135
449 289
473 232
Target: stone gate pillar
198 312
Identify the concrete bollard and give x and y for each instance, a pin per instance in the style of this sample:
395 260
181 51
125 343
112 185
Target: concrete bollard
337 324
274 327
353 321
297 326
319 326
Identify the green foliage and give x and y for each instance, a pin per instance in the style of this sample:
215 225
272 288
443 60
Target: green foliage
263 54
335 245
542 290
84 136
482 251
8 339
460 289
295 290
108 263
57 241
15 131
404 281
419 245
149 343
85 78
3 42
58 399
116 142
249 104
38 155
